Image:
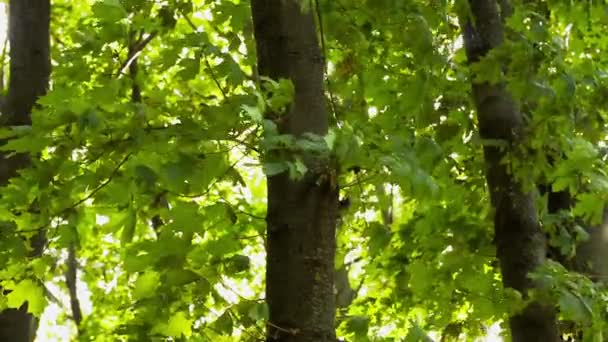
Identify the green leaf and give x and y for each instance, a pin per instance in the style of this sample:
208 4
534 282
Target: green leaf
275 168
178 325
419 35
109 10
358 325
190 68
224 323
380 237
588 207
222 246
574 308
421 276
180 277
297 169
186 217
31 143
237 264
146 285
416 334
253 112
258 311
145 176
67 234
129 224
138 262
30 291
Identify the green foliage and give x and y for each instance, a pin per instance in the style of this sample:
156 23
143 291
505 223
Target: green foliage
193 155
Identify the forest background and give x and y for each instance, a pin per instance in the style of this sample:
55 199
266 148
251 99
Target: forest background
295 170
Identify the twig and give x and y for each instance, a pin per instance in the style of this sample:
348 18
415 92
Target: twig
358 181
251 237
57 39
291 331
73 206
244 143
101 186
49 294
219 179
212 74
237 210
135 52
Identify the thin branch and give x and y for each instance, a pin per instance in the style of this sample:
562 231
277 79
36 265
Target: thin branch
244 143
57 39
134 68
332 101
253 216
70 280
219 179
51 296
359 180
291 331
237 210
251 237
101 186
212 74
84 199
135 52
3 63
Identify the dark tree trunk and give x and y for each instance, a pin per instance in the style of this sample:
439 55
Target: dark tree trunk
520 241
30 68
301 213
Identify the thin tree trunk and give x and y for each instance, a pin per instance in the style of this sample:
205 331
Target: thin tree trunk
301 213
30 68
520 241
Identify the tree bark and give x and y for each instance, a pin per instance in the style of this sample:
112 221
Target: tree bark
302 213
30 68
520 241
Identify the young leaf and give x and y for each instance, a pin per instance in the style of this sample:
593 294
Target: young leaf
146 285
30 291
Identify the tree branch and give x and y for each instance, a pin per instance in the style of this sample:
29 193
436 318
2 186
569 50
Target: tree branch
70 280
135 51
212 74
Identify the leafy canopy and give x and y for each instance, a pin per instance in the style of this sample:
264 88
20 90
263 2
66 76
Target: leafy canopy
193 155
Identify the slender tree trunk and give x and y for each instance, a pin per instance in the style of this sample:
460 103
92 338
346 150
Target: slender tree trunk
301 213
520 241
30 68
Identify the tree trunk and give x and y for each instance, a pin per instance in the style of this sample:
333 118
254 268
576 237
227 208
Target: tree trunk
520 241
301 213
30 68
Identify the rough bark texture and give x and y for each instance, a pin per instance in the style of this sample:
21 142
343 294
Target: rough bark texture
520 242
29 76
301 214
